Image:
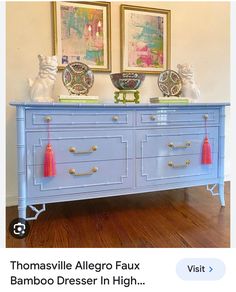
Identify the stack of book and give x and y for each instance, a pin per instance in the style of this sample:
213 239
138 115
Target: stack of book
79 99
170 99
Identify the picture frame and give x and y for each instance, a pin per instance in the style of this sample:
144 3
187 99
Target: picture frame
82 32
145 39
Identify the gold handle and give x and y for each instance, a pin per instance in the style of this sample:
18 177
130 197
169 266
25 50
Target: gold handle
171 164
206 116
152 118
173 146
47 119
115 118
72 171
74 150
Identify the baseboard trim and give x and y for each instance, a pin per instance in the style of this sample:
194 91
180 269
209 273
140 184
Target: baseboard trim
11 200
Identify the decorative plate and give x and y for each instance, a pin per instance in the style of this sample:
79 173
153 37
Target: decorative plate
170 83
78 78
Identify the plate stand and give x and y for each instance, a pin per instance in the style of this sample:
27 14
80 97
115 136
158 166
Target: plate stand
124 94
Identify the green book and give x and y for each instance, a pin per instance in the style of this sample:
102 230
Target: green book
174 101
74 96
79 100
169 100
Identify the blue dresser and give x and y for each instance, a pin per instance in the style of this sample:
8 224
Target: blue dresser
111 150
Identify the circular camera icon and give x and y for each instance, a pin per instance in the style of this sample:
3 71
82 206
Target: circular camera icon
19 228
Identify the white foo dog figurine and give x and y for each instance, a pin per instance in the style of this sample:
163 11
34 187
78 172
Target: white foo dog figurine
190 88
41 89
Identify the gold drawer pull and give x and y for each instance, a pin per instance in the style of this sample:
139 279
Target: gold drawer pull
152 118
171 164
47 119
91 150
115 118
173 146
72 171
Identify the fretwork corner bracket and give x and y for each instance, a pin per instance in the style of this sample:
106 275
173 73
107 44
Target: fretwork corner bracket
37 212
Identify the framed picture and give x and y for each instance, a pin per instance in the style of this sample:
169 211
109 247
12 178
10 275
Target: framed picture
145 39
82 33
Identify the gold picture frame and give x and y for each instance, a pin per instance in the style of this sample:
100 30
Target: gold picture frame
145 39
82 32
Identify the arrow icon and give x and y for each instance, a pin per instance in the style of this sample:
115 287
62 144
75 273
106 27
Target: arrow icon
210 269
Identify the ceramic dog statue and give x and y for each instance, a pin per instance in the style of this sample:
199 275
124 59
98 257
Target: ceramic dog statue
190 88
41 89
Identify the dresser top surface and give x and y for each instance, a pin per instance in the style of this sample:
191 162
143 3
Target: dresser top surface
112 105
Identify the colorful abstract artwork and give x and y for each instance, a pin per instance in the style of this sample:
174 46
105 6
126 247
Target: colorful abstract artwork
145 37
82 33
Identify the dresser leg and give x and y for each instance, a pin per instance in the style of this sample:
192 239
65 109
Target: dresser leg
221 194
22 212
21 156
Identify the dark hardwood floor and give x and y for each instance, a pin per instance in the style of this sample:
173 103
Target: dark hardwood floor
178 218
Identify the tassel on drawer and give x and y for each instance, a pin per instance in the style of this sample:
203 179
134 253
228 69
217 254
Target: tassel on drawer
206 147
49 162
49 159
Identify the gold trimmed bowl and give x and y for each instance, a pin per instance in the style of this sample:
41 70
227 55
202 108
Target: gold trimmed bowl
127 81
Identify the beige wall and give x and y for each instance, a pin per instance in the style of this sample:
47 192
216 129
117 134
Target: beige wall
200 36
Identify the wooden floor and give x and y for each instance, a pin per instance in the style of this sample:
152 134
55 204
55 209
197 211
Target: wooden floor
178 218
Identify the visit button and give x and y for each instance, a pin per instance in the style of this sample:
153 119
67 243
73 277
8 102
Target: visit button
200 269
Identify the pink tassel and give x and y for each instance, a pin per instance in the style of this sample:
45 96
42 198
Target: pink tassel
49 162
206 152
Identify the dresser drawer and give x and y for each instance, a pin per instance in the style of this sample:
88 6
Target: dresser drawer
174 141
164 170
88 177
80 145
177 116
77 118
